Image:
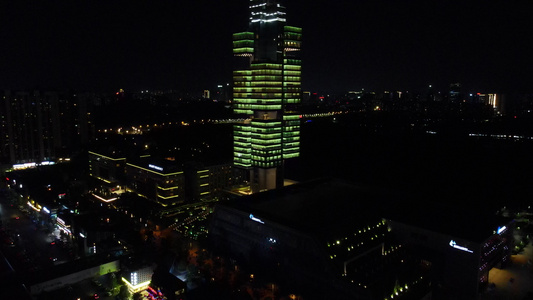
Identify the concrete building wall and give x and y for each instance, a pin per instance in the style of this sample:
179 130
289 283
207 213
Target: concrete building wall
454 268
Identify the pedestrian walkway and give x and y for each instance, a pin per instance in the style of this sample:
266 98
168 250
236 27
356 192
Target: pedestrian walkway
515 281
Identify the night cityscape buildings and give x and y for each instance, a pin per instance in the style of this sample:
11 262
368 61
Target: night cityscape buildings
381 253
143 191
267 91
41 126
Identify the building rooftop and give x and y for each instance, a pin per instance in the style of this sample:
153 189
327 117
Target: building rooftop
157 165
325 207
462 222
332 208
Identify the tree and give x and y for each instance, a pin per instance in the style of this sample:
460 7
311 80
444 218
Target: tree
124 293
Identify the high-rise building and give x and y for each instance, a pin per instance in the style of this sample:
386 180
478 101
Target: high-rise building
266 91
38 126
29 128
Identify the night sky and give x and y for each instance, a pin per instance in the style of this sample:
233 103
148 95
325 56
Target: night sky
186 44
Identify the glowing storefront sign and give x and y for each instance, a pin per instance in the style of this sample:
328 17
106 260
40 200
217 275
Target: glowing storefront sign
24 166
454 245
137 287
155 167
103 199
62 226
32 206
501 229
32 165
256 219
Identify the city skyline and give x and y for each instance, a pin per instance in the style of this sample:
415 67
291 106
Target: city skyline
348 45
139 188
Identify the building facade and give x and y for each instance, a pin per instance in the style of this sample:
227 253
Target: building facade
163 183
460 254
344 253
38 126
266 90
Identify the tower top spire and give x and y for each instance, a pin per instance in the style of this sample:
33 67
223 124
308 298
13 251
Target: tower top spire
266 11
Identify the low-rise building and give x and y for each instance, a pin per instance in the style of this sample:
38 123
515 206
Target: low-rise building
161 181
317 236
460 247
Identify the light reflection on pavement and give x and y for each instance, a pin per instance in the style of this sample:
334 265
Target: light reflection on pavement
521 270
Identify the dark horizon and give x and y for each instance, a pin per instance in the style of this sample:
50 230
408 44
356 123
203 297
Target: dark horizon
347 45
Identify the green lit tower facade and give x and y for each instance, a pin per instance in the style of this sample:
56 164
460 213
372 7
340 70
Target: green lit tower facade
266 92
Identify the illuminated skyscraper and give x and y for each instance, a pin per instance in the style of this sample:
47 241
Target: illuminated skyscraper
266 91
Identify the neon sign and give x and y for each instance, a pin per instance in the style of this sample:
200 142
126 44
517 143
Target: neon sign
155 167
501 229
256 219
454 245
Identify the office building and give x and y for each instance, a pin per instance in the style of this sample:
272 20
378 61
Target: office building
266 90
287 233
363 243
163 181
159 180
210 181
460 248
138 279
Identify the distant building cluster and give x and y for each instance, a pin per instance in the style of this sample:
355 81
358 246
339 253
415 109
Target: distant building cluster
432 102
40 126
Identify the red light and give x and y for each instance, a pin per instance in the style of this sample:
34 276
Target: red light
7 179
301 116
117 93
52 243
478 94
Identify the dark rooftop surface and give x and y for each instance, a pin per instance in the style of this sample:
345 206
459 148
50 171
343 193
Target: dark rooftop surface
157 164
331 207
94 221
322 206
462 222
